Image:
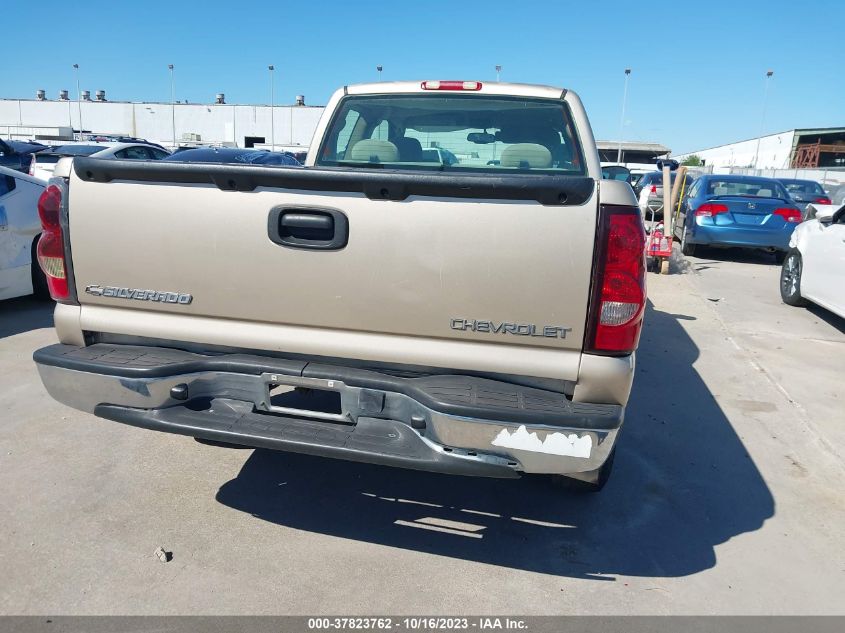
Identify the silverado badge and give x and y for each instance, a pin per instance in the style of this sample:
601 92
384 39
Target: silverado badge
139 294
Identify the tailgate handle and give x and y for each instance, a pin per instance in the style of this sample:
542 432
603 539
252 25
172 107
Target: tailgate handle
308 228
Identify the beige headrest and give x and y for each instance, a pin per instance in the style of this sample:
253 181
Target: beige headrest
531 155
373 151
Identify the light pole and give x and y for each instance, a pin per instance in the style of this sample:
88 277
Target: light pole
379 68
769 74
172 104
78 99
622 120
498 70
271 68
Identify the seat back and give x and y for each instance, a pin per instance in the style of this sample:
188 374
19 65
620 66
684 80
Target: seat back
527 156
372 150
410 149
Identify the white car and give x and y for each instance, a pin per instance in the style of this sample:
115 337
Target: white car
45 161
19 230
814 267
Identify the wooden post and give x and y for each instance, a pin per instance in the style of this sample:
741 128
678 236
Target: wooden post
667 213
676 195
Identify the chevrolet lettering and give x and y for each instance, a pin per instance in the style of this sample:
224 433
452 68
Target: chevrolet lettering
519 329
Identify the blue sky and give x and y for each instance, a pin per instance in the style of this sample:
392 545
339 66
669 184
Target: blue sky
697 77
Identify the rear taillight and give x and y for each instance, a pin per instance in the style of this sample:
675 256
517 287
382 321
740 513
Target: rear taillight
822 200
789 215
618 296
51 250
654 189
709 209
451 85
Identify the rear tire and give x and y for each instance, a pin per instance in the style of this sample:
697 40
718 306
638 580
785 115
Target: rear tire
790 279
562 482
687 248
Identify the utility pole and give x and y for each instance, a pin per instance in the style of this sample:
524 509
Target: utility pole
769 74
172 104
78 99
498 71
271 68
622 120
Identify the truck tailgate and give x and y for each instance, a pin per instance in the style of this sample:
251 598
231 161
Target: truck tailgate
463 280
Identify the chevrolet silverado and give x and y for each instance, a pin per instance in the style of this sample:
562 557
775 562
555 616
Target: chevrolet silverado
476 318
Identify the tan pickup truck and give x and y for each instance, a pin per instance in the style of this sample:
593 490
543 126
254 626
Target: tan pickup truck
476 315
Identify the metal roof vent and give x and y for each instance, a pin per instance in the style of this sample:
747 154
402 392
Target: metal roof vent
101 95
220 98
300 100
86 95
63 95
41 95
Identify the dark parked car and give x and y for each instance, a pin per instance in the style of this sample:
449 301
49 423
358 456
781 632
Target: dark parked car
652 179
18 155
805 192
232 155
649 192
743 211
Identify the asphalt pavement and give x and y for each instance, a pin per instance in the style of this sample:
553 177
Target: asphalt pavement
726 497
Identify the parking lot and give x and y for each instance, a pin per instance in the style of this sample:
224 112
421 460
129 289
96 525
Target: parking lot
726 496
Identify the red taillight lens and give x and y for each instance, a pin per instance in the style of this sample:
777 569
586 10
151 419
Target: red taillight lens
51 250
618 299
822 200
654 189
789 215
50 208
451 85
709 209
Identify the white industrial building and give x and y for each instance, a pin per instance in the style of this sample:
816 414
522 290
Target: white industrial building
800 148
168 124
291 126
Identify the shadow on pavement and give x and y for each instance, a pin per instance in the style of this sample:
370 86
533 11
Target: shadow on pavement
683 483
828 317
740 255
25 314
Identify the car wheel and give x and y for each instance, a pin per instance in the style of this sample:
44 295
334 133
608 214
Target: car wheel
602 475
790 279
39 280
687 248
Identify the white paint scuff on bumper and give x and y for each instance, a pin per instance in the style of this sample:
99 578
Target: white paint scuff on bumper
554 443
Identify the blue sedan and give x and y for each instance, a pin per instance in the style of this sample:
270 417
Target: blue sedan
744 211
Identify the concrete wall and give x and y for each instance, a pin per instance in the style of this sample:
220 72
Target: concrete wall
215 123
775 152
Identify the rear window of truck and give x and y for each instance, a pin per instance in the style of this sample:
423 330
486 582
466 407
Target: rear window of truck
473 133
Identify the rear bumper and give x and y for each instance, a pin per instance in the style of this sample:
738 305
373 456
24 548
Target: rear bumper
751 237
453 424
